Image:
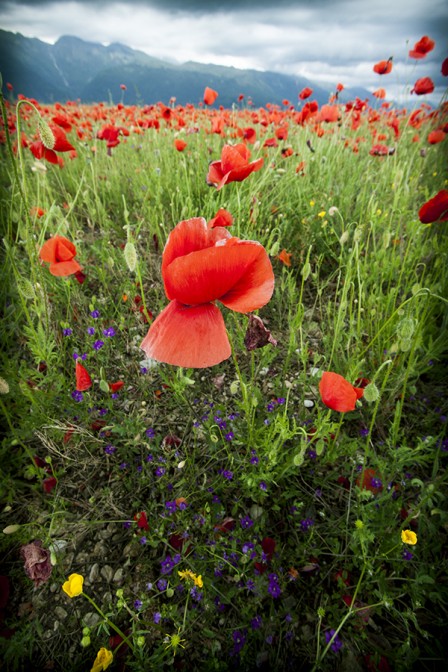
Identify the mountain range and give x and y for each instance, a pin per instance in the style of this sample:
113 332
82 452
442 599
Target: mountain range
73 69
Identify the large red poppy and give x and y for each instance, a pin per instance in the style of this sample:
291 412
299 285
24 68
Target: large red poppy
199 266
337 393
234 166
61 144
436 209
423 86
383 67
60 253
422 47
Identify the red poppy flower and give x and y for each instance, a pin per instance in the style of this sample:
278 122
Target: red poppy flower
339 87
234 166
114 387
37 212
210 96
436 209
383 67
83 380
222 218
337 393
141 520
329 113
380 93
436 136
49 483
199 266
380 150
60 253
423 86
180 145
305 93
61 144
123 87
422 47
285 257
444 69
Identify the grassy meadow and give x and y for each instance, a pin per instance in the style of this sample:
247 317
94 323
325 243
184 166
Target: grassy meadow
224 517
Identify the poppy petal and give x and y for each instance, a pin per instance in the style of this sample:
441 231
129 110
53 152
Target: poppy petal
65 250
48 250
337 393
63 268
83 380
237 272
188 336
189 236
435 209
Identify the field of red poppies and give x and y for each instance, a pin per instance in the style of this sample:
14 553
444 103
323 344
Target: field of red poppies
223 383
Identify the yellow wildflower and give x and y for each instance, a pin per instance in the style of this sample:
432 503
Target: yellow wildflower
188 574
408 537
322 214
73 586
103 659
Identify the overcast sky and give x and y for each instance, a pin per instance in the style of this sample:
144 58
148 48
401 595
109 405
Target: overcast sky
327 41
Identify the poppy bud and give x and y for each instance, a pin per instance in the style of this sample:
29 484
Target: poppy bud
130 255
46 134
4 386
371 393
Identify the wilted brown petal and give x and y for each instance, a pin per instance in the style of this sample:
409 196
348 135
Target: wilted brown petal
37 562
257 336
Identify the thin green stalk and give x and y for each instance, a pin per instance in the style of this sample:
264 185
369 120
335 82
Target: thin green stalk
109 622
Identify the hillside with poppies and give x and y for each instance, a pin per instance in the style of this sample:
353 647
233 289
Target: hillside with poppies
223 381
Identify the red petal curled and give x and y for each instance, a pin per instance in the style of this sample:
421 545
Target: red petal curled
237 272
337 393
189 236
188 336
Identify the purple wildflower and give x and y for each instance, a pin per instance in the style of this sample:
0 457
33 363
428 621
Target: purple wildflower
109 332
246 522
90 330
239 640
98 345
95 314
67 331
138 604
337 642
162 584
167 565
256 622
77 396
171 506
157 617
274 589
110 450
306 524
